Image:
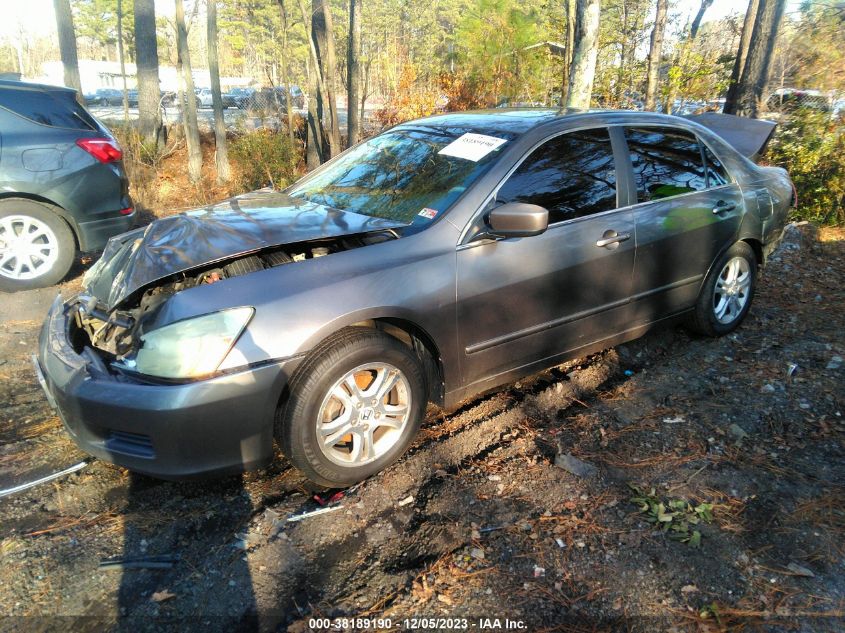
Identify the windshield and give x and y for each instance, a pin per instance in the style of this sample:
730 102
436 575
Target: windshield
402 175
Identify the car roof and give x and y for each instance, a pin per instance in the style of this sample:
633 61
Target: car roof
517 121
512 120
26 85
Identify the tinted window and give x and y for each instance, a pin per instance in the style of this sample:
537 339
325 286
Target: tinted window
399 175
716 174
47 108
572 175
667 162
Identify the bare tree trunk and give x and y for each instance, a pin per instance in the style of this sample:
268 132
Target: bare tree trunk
286 69
122 61
584 55
67 44
696 23
569 43
146 60
324 34
751 90
314 126
222 152
655 53
353 73
366 91
189 112
623 56
741 54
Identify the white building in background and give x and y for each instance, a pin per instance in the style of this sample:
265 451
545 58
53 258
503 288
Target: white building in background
98 74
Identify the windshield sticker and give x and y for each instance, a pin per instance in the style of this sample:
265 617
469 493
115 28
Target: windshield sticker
428 213
472 147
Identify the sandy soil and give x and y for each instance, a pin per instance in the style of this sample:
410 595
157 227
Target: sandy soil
477 520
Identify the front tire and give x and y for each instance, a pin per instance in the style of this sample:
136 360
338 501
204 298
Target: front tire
725 296
354 407
37 247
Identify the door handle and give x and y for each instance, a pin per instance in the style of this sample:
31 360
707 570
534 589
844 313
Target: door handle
612 237
723 206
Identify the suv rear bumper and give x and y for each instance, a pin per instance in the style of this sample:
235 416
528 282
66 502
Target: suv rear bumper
204 428
94 234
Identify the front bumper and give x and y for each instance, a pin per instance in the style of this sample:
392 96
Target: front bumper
209 427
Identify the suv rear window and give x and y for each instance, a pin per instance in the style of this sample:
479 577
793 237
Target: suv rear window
56 109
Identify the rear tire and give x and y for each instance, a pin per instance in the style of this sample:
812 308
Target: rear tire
355 405
40 260
727 292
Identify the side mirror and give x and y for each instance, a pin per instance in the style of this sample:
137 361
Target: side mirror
518 219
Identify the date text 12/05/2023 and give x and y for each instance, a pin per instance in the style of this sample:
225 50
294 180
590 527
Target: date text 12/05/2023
416 624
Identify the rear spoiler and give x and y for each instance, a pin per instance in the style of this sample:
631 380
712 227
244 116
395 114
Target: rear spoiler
747 136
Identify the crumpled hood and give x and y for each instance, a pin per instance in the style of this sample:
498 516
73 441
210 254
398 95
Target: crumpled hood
238 226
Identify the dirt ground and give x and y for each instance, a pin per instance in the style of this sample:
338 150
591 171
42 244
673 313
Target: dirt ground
732 450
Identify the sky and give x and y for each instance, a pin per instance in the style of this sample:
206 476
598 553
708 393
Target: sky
37 16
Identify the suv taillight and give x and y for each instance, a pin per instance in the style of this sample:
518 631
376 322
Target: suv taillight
104 150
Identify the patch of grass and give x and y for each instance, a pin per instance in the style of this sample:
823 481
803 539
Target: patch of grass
677 517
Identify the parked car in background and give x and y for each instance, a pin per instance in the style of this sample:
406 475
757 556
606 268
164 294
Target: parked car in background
204 98
104 97
275 99
62 184
441 259
790 99
238 98
132 98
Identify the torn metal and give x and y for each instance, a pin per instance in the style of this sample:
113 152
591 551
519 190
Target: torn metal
244 225
141 270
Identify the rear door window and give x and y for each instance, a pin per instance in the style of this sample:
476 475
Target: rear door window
48 108
571 175
716 174
667 162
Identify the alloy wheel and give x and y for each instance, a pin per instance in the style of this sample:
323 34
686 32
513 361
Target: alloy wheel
364 414
732 290
28 247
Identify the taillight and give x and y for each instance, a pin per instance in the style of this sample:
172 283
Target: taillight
104 150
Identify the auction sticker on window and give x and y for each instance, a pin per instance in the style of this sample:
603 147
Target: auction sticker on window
428 213
472 147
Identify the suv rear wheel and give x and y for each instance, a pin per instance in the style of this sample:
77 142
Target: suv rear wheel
36 245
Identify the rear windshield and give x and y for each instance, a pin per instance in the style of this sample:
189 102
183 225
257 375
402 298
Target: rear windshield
56 109
411 175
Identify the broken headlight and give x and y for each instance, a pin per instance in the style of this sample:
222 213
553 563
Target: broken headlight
191 348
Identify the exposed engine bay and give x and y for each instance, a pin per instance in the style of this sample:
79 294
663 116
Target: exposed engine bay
116 334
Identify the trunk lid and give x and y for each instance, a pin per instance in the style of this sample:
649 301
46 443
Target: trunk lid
747 136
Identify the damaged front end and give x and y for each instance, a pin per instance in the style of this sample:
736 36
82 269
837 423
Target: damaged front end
141 270
118 335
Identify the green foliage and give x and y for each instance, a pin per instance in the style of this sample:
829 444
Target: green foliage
674 516
265 158
95 21
493 40
811 147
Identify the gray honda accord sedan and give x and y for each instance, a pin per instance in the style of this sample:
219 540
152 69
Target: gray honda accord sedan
443 258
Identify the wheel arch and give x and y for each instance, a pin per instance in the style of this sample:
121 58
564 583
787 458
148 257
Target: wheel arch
57 209
757 246
402 327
